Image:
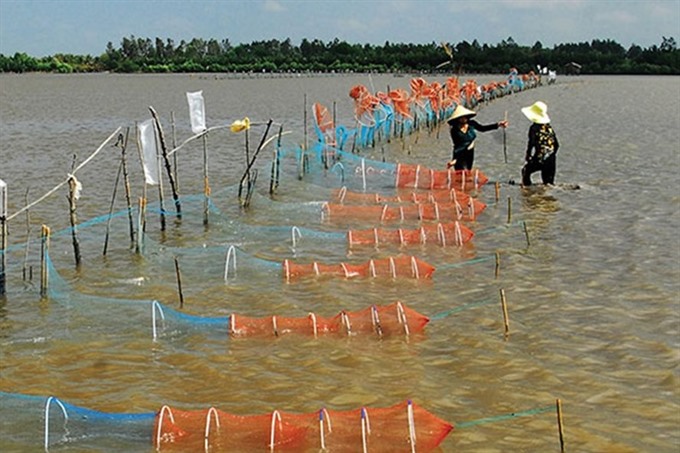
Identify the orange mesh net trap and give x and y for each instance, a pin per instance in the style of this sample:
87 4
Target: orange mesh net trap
397 267
381 320
417 212
344 196
442 234
419 177
404 427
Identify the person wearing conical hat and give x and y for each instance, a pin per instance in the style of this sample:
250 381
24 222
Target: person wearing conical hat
542 146
463 130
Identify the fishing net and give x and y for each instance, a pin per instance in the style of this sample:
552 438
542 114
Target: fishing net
383 320
403 427
398 267
442 234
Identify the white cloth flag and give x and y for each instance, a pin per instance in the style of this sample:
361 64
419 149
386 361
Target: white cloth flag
147 136
196 111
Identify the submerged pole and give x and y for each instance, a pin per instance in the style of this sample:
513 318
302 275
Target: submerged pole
44 250
506 320
560 424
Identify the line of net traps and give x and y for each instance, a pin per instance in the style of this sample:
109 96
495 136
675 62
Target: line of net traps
380 321
402 427
332 167
400 112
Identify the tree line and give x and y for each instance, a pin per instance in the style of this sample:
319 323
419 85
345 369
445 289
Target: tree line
143 55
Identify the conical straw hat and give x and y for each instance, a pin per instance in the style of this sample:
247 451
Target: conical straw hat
537 113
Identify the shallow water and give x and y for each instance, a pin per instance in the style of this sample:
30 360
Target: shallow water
593 295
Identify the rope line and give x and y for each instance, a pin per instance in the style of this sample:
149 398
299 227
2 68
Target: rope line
446 313
499 418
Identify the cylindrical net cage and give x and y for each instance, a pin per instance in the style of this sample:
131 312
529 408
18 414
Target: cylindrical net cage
397 267
382 320
419 177
442 234
404 427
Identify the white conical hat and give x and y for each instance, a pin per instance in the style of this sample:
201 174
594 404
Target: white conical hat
537 113
461 111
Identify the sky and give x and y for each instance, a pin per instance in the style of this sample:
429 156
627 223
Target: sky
84 27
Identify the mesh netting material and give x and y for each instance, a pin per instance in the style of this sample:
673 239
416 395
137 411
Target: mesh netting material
385 320
415 212
398 267
344 196
403 427
442 234
419 177
35 420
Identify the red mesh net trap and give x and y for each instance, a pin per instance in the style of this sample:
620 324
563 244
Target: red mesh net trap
419 177
381 320
442 234
404 427
396 267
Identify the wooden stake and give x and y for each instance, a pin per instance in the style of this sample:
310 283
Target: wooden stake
179 284
498 264
560 424
509 209
44 250
72 214
3 236
498 191
506 320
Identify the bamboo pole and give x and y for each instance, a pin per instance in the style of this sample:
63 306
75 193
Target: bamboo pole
505 148
44 250
498 191
28 237
304 118
175 165
168 167
509 209
113 200
3 236
560 424
206 181
126 179
506 320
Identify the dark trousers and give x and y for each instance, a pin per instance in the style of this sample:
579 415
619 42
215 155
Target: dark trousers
464 159
547 168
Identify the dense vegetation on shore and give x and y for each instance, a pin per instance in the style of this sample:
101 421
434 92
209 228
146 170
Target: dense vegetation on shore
198 55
